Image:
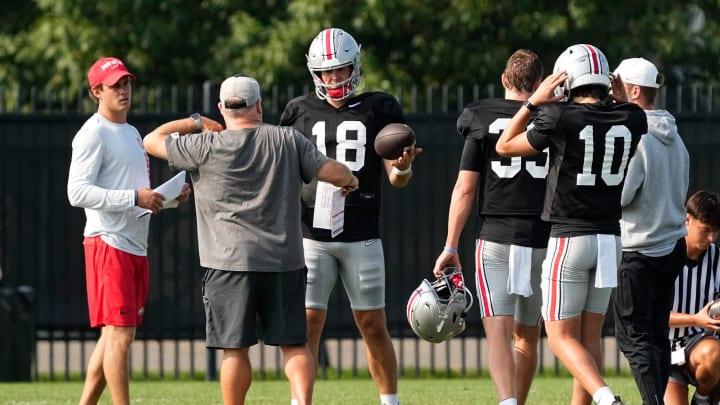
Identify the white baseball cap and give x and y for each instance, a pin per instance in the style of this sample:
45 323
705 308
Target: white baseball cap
640 72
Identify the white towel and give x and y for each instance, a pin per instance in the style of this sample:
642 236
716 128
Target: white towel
606 270
520 263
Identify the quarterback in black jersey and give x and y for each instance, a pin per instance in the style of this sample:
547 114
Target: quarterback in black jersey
511 238
347 134
591 140
344 125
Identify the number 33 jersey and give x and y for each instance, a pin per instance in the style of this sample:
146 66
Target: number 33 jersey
590 146
510 190
346 134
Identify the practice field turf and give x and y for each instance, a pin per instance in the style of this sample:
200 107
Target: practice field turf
548 390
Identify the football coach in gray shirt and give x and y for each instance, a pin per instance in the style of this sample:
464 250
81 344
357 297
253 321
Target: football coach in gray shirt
247 181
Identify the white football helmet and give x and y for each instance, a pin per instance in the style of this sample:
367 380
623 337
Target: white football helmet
436 311
334 48
584 64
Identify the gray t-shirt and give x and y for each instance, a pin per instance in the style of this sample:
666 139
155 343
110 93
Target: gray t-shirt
247 194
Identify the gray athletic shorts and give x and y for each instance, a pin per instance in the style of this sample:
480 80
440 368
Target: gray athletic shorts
568 278
242 306
360 265
491 280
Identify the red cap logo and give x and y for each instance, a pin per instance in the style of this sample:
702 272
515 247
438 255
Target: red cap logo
107 71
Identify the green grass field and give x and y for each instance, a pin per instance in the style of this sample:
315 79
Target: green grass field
546 390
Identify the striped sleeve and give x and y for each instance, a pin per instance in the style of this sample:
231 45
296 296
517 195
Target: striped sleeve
695 287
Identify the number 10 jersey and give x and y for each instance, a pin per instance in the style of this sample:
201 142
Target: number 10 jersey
590 146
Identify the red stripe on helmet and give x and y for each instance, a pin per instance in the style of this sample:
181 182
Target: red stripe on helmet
594 59
329 44
411 302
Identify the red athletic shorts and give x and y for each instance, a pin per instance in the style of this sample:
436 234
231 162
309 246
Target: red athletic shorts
117 284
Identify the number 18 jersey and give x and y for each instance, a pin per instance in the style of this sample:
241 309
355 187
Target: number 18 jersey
590 146
346 134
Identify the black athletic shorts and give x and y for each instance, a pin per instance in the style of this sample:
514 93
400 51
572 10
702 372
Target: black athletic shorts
242 307
681 374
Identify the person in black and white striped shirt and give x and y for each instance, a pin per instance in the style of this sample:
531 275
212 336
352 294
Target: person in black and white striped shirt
693 333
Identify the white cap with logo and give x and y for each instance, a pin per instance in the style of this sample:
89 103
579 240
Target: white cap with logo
239 92
640 72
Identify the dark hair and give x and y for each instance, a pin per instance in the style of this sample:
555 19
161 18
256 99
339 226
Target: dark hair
236 103
523 69
597 91
705 207
92 95
649 94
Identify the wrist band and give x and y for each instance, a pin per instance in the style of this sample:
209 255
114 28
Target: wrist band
136 197
399 172
450 250
530 106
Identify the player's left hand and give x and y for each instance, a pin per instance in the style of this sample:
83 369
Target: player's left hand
408 156
185 193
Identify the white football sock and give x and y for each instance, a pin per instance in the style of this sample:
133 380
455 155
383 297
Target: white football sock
604 396
701 399
508 401
389 399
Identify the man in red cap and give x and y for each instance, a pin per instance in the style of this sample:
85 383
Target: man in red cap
109 177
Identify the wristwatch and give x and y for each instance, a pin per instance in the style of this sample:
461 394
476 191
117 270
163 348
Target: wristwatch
530 106
198 121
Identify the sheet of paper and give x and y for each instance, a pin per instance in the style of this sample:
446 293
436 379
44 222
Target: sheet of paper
171 189
329 208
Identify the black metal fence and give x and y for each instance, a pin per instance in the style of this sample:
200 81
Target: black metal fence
41 235
430 99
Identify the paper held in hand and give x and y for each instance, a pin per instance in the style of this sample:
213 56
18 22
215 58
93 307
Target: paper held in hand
171 189
329 208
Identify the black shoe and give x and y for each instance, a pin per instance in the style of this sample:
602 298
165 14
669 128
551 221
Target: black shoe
618 401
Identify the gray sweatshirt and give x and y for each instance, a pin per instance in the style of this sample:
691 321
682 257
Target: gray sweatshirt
653 197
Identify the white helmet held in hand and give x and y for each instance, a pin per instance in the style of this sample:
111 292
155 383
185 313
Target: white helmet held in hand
331 49
584 64
436 311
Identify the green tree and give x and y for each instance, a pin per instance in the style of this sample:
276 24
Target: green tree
51 43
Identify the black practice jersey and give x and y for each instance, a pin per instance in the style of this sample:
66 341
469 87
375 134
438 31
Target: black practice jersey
510 190
346 134
590 146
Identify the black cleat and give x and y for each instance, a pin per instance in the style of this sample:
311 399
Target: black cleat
618 401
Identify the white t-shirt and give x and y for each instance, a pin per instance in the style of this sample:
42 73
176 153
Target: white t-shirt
108 164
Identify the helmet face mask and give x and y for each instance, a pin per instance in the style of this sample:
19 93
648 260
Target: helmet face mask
584 65
332 49
436 311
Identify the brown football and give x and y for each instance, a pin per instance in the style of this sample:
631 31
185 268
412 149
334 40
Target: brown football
392 140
